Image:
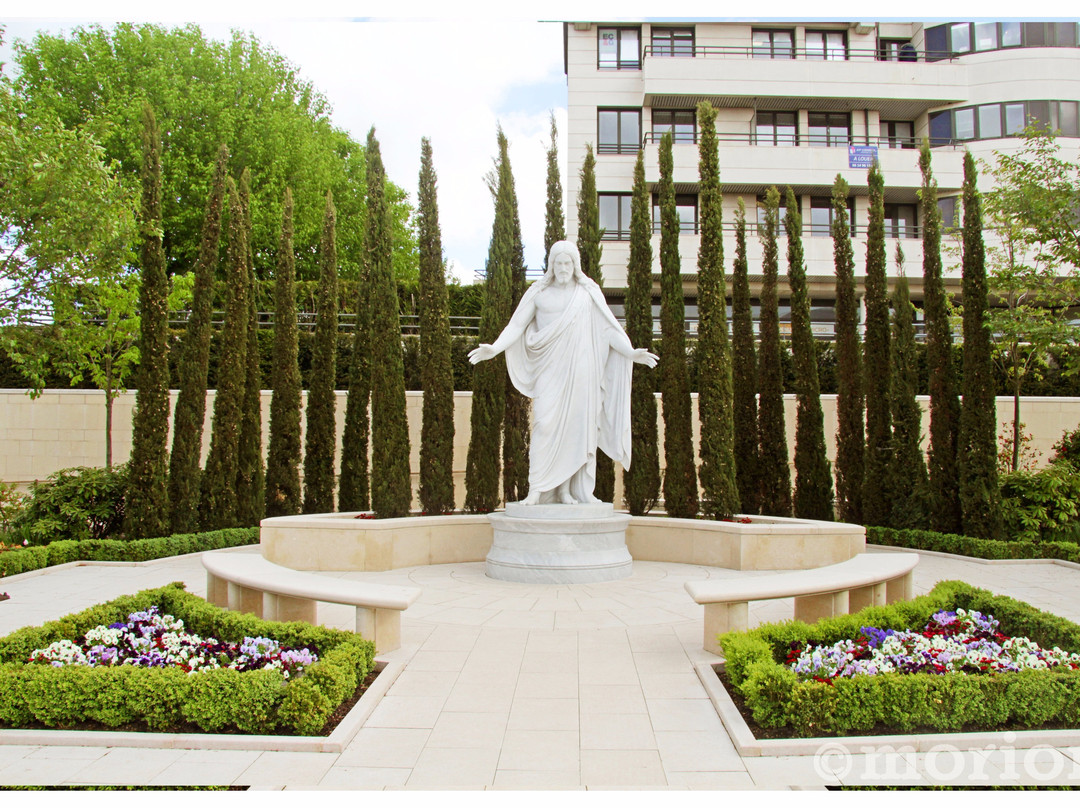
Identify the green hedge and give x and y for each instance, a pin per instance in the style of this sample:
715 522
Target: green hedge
907 702
164 700
970 546
12 562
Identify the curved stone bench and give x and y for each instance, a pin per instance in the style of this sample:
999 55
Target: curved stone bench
865 580
249 583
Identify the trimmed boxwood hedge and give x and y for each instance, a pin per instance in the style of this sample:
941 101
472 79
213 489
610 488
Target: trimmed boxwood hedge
907 702
170 700
971 546
26 559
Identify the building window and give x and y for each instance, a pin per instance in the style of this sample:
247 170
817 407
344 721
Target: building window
773 44
947 207
900 221
615 216
618 131
685 206
896 50
619 48
776 128
989 121
826 45
897 135
672 42
821 215
829 128
956 38
682 123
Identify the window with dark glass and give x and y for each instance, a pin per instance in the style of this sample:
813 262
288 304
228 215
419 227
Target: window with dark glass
957 38
776 128
826 45
619 48
900 221
770 44
989 121
822 215
896 50
829 128
947 207
618 131
682 123
685 206
897 135
672 42
615 216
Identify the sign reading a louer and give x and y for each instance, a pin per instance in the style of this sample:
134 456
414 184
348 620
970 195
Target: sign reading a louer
861 156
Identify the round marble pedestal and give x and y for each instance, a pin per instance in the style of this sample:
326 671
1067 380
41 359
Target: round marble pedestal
559 544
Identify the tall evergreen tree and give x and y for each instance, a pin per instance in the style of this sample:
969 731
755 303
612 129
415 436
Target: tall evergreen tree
909 501
217 505
391 483
773 471
720 494
850 435
980 500
321 434
744 374
436 374
680 476
482 469
641 482
554 220
148 497
515 445
944 403
813 477
283 493
876 492
184 467
251 474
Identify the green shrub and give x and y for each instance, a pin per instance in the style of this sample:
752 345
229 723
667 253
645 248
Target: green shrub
1042 505
1068 448
970 546
76 503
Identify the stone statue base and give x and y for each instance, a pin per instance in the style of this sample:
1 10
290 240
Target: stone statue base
559 544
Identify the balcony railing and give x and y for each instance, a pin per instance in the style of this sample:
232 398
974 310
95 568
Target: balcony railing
784 139
787 53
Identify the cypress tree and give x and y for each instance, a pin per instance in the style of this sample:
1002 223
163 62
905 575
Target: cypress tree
720 495
774 474
876 355
910 506
515 446
980 500
944 404
217 506
436 374
283 463
850 440
744 374
482 469
554 221
813 477
251 475
194 363
641 482
391 484
588 244
148 497
680 476
320 436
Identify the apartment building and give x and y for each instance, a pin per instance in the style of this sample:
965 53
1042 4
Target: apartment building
799 103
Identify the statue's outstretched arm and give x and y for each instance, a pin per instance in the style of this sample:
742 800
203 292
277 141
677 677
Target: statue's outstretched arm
519 321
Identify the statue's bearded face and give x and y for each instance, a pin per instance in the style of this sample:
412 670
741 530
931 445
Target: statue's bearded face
564 268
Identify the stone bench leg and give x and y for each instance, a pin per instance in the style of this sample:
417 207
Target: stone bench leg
811 608
721 618
381 626
287 609
243 599
866 596
217 590
899 589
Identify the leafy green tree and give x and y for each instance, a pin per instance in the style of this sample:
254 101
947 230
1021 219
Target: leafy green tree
190 412
850 439
980 500
283 493
251 474
720 493
320 437
813 477
744 374
876 494
437 427
391 484
944 404
773 471
217 504
554 221
641 482
147 508
516 416
680 476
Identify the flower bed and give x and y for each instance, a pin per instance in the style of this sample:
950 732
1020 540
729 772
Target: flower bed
246 695
928 680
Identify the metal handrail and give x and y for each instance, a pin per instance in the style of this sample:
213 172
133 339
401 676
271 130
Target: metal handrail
788 53
806 139
305 320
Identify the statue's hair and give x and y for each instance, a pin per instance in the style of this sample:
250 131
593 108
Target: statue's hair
563 248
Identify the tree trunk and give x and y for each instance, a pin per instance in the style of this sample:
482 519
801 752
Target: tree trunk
108 411
1016 422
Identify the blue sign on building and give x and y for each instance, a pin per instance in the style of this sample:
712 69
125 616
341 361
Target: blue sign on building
861 156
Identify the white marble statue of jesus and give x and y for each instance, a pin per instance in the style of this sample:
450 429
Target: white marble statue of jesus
566 351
